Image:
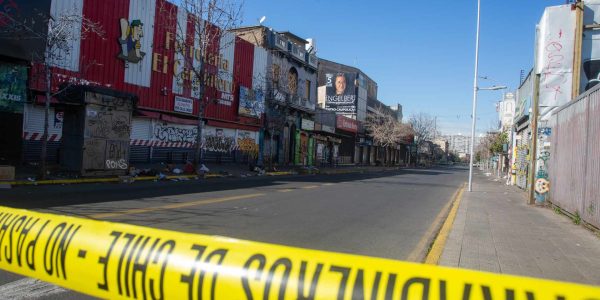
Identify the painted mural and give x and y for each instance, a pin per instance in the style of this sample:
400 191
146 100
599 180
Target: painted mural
542 184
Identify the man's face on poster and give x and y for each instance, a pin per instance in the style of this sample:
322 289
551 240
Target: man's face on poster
340 84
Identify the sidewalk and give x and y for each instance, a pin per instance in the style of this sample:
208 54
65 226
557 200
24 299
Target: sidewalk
496 231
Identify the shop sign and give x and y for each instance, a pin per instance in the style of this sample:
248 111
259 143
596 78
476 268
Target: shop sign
346 124
13 90
225 99
184 105
326 128
308 125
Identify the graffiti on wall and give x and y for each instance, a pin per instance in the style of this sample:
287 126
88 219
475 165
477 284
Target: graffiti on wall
248 146
173 133
246 143
116 154
542 185
102 123
218 143
225 140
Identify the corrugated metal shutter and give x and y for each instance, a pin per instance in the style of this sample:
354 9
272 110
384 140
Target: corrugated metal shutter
141 129
141 132
139 154
172 155
33 129
33 149
522 162
33 121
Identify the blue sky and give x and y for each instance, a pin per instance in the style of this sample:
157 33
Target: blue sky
421 54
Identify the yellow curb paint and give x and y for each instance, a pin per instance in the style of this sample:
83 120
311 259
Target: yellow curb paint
329 183
91 180
278 173
171 206
435 253
285 190
308 187
415 254
213 176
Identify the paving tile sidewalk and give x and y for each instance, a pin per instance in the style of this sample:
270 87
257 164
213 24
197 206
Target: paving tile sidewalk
496 231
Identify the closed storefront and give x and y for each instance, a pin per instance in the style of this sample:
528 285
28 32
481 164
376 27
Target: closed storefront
347 129
33 130
522 158
13 94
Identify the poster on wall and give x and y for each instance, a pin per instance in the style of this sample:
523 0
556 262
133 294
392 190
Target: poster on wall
13 90
340 90
184 105
252 102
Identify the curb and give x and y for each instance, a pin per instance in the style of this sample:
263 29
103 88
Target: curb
93 180
437 247
148 178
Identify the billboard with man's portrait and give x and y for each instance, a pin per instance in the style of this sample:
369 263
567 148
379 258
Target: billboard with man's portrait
340 89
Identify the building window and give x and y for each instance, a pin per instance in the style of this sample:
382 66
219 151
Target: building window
307 90
293 81
276 74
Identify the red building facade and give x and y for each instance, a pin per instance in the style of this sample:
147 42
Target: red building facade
151 49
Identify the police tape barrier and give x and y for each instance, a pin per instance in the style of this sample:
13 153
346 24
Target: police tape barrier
119 261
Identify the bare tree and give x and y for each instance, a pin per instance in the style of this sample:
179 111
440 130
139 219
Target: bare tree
63 30
209 24
385 129
424 127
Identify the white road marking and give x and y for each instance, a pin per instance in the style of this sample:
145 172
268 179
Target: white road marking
28 288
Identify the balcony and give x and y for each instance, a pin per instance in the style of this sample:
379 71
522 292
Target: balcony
300 103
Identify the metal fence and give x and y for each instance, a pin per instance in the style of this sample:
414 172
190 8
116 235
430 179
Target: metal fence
574 165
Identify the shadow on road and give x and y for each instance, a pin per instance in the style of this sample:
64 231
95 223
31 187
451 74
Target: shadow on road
41 197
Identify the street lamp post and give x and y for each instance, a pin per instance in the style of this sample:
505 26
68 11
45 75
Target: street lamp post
475 90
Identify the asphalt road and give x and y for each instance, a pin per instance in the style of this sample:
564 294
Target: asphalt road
386 214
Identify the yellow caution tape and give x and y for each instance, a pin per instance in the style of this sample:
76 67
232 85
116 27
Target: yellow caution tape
120 261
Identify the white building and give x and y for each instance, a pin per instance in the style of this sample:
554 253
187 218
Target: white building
506 111
459 144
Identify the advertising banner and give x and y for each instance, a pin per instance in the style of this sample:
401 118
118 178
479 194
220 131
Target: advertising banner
252 102
554 55
13 90
340 90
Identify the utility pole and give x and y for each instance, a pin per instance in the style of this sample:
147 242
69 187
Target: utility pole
579 8
534 135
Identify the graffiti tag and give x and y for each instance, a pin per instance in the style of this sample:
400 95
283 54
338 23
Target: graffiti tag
175 134
218 143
